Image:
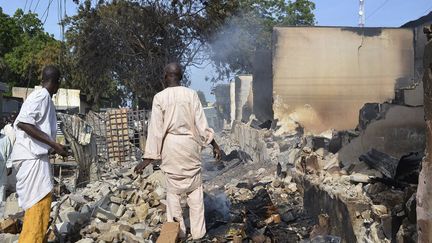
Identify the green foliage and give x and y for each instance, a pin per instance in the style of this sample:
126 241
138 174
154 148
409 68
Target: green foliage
25 48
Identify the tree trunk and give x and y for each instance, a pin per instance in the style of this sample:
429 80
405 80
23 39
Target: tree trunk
424 191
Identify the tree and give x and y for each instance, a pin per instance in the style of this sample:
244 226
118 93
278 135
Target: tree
202 98
125 44
107 50
25 48
9 33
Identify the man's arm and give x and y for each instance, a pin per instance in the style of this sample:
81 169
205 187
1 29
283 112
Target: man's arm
205 132
37 134
155 136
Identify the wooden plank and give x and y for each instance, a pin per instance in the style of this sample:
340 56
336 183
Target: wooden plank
169 233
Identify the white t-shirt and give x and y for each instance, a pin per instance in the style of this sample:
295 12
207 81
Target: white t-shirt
30 156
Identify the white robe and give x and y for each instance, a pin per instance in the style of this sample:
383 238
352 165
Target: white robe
177 132
5 150
9 131
30 156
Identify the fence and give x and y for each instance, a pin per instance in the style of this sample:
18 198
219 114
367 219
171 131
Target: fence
120 134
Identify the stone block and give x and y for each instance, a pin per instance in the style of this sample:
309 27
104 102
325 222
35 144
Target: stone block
116 200
113 208
131 238
86 240
120 211
142 211
8 226
63 228
109 236
104 214
379 210
8 238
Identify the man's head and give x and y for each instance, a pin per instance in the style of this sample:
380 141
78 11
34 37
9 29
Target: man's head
12 117
3 122
173 74
51 79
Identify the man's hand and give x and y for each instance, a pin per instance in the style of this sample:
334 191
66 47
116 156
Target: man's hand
141 166
217 153
60 149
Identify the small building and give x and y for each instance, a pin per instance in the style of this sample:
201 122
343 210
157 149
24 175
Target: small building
65 99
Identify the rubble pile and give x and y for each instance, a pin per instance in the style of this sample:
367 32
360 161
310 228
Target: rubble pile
290 188
263 208
372 199
384 208
124 207
121 207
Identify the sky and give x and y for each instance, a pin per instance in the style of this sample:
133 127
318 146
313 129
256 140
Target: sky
379 13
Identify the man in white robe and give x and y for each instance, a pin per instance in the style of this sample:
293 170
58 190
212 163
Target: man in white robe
5 150
36 128
8 130
177 132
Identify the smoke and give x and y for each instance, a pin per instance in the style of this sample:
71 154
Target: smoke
217 205
233 47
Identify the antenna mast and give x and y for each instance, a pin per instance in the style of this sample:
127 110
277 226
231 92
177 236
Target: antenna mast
361 13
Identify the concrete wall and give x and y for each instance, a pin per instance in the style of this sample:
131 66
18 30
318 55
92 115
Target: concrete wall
243 97
322 76
213 118
414 96
222 104
67 98
262 86
251 141
419 42
21 92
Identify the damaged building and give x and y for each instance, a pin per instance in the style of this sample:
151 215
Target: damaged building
326 139
348 123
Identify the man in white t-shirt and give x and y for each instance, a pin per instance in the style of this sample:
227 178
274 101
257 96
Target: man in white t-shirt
36 127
